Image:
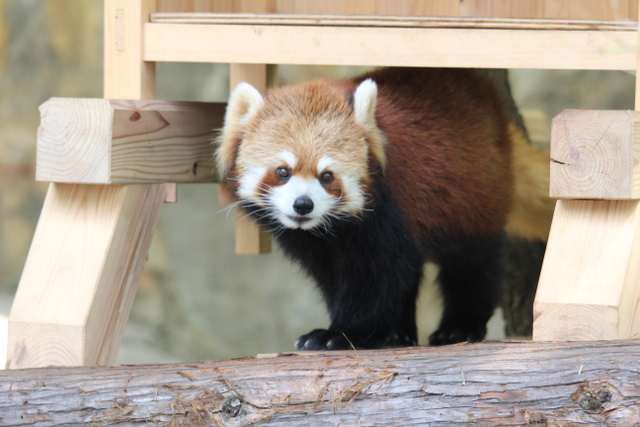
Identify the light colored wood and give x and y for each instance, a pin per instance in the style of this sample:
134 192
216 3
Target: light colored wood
69 306
127 75
390 21
99 141
171 192
595 155
607 50
91 242
250 238
482 385
556 9
591 269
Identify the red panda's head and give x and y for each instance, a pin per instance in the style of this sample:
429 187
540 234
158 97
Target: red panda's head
302 154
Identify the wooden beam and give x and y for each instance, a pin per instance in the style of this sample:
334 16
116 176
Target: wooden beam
392 46
91 242
589 283
84 261
587 288
100 141
595 155
485 384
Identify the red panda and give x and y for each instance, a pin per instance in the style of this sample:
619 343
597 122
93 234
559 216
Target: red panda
362 181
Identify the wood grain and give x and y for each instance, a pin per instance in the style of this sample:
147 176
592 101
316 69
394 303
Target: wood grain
99 141
588 283
80 268
384 46
486 384
595 155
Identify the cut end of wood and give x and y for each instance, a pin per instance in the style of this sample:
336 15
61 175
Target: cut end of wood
594 155
35 345
74 140
574 322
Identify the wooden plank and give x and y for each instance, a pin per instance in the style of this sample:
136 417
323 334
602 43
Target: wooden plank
443 47
100 141
587 287
250 238
127 75
485 384
67 308
390 21
595 155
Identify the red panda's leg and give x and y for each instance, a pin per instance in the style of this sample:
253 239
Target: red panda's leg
470 284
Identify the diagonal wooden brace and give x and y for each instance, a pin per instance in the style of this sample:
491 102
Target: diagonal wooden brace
589 286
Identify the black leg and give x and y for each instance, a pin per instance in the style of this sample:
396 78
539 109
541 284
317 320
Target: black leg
470 283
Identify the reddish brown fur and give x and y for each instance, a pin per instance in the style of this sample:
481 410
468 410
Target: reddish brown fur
448 159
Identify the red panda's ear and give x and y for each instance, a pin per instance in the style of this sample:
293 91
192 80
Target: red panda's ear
244 103
364 109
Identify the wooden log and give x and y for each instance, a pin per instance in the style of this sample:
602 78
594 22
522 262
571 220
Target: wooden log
485 384
595 155
391 46
101 141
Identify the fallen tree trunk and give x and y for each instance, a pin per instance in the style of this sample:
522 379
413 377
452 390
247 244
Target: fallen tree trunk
486 384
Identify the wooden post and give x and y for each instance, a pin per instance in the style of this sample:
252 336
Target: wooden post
250 238
88 251
590 281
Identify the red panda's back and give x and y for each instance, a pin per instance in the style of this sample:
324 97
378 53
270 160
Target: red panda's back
448 152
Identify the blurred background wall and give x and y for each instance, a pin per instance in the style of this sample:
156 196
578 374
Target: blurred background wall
196 299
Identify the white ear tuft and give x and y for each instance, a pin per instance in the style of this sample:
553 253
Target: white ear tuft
364 102
244 103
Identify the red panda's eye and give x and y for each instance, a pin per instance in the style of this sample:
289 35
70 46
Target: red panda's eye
283 174
326 178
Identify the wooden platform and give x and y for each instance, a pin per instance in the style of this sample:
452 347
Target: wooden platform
391 41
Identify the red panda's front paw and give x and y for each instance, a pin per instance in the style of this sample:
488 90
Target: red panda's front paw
323 339
448 334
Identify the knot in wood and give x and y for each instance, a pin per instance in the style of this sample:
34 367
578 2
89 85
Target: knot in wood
232 406
593 397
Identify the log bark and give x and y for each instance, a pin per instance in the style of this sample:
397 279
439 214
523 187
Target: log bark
486 384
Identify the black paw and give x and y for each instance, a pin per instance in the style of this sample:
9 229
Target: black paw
452 334
322 339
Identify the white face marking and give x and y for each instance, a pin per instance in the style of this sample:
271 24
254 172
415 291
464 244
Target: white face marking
250 182
282 199
324 163
289 158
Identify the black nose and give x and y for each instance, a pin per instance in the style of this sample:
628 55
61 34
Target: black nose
303 205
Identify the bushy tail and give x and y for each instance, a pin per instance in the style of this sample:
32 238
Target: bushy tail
532 208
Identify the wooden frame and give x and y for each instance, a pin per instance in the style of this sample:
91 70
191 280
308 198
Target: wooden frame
103 261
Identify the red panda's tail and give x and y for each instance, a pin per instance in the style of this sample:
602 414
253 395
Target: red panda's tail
532 208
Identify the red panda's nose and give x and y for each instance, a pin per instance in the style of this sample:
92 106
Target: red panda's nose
303 205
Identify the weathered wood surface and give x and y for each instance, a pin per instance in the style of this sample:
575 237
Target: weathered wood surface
486 384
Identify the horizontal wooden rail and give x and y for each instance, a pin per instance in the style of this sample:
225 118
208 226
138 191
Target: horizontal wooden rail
391 41
391 21
486 384
100 141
